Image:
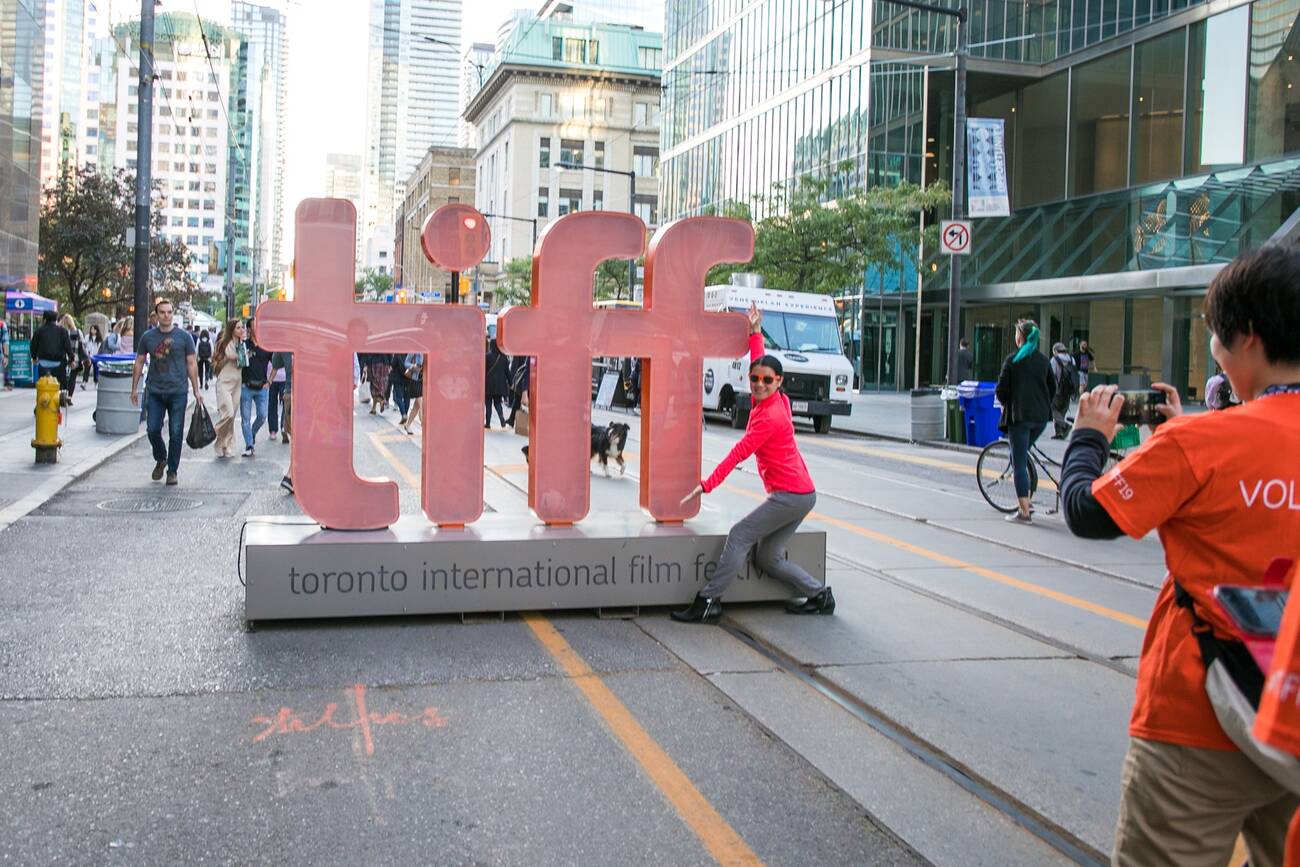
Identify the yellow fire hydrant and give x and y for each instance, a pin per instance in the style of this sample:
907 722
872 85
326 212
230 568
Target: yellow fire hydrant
47 442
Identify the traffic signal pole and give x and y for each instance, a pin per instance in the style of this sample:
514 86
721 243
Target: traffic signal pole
958 195
143 170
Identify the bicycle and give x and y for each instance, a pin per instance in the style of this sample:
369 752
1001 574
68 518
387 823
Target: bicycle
995 474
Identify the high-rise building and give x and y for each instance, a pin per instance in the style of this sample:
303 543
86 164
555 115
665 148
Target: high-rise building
444 176
343 180
412 92
205 155
472 75
638 13
1145 146
264 27
21 89
71 104
558 92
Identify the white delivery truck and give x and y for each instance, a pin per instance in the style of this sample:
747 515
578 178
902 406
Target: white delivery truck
799 328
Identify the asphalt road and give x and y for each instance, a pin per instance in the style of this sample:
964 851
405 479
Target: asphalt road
966 705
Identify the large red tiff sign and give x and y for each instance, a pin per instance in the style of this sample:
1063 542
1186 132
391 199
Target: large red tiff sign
323 326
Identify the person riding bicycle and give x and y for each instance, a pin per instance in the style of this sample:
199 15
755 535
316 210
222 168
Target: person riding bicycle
1219 488
1025 389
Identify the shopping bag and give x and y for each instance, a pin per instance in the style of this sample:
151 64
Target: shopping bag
363 392
202 432
521 421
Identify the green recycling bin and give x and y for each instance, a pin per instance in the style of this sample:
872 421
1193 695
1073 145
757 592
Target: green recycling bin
955 421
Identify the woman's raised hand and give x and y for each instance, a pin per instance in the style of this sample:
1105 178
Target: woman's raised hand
755 319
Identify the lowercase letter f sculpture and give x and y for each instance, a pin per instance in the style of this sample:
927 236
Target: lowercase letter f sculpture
323 327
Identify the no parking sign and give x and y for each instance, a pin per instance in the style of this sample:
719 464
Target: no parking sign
954 237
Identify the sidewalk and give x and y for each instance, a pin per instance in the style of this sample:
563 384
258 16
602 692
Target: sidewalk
24 484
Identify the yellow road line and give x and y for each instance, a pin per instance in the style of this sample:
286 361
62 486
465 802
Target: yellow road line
411 478
718 837
983 572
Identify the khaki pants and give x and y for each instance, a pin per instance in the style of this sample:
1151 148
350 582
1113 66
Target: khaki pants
1185 806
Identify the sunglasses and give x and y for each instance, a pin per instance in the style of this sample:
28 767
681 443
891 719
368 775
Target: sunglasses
766 380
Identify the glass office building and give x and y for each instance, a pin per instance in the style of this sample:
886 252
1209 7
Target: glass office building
1147 144
21 46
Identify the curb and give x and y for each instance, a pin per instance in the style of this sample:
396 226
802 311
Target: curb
893 438
60 480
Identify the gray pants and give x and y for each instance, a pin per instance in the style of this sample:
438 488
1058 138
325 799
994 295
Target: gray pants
770 527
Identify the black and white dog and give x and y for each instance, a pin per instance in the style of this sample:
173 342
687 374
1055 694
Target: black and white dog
606 443
609 442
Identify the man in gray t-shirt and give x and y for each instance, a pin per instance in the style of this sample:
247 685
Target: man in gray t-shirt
172 361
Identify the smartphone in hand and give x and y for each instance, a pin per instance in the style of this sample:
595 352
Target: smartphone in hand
1140 407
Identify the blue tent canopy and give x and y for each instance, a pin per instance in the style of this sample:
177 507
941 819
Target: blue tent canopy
28 302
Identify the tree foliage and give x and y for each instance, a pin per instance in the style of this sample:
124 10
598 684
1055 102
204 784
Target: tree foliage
515 285
816 241
84 260
374 284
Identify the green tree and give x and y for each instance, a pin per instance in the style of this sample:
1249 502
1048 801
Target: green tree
611 280
83 257
373 284
515 285
816 241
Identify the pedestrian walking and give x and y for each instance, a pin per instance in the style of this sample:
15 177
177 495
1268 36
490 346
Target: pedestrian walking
255 391
231 356
94 340
1067 385
632 382
1025 389
519 369
377 367
282 371
51 349
965 361
172 363
397 382
205 358
413 366
277 411
1191 785
77 355
125 335
496 383
1085 363
769 436
1218 391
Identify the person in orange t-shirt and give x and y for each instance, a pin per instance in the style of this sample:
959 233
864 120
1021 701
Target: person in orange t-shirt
1223 492
1278 721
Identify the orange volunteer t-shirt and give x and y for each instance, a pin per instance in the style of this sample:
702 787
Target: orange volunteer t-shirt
1223 491
1278 720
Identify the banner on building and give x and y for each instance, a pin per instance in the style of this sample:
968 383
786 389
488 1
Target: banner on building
986 168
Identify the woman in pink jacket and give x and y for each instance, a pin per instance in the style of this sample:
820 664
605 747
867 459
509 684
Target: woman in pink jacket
769 436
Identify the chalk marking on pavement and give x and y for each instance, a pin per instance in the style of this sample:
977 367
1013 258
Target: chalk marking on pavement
718 837
989 574
287 721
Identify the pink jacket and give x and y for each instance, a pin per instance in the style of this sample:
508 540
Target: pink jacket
769 436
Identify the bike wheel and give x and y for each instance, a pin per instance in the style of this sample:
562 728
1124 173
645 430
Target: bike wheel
994 473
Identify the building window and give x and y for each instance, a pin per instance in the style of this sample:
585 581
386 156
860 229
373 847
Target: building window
178 221
1158 109
574 50
192 240
545 104
598 200
573 105
209 223
647 208
192 222
1099 115
600 155
571 151
645 161
453 177
1041 129
570 201
650 58
544 153
543 202
640 114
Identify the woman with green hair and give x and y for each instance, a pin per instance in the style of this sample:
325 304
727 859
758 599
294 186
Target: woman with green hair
1025 389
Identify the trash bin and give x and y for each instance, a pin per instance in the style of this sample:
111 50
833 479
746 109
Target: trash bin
114 413
955 426
981 410
927 415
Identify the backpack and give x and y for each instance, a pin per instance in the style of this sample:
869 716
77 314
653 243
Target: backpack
1067 376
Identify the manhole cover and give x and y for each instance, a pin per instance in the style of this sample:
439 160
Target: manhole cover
149 504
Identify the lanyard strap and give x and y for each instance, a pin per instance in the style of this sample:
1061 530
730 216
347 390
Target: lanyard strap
1287 388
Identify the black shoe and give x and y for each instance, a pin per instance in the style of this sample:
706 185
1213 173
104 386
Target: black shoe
822 603
702 610
171 478
287 484
159 468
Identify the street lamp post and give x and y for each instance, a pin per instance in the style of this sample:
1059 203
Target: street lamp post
532 220
143 167
631 207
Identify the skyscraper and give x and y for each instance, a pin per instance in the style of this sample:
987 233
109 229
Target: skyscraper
473 73
343 181
264 27
412 92
21 87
